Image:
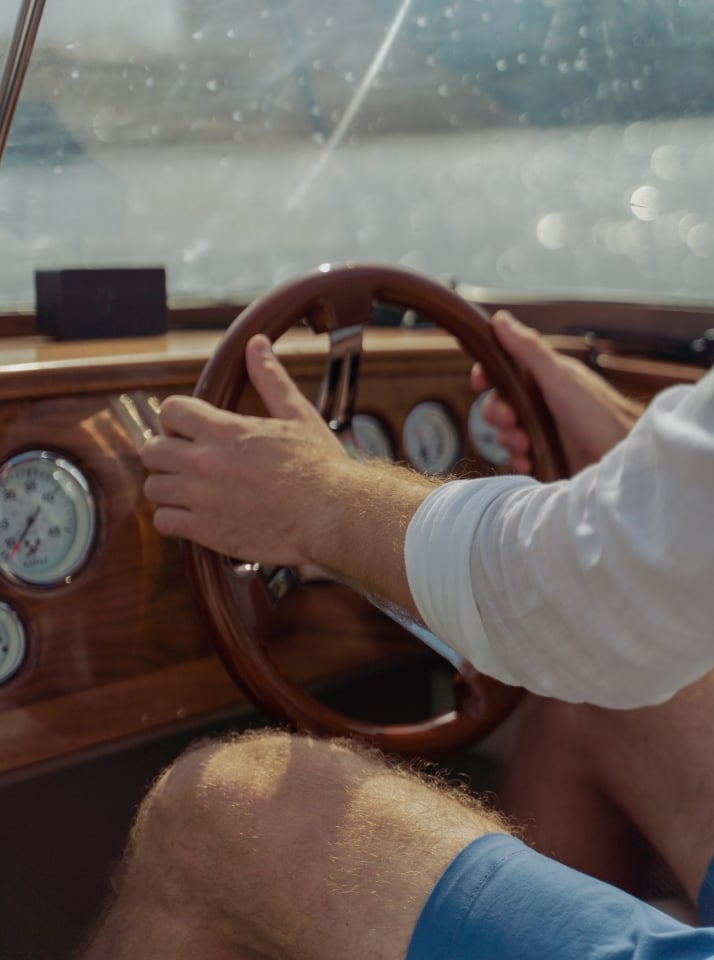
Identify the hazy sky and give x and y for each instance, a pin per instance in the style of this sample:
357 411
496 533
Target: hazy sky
104 26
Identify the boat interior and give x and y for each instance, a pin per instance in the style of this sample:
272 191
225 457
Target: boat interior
366 185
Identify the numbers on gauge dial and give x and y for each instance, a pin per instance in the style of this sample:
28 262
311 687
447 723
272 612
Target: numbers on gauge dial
431 438
47 518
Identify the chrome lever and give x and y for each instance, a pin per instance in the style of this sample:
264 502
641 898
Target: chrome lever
338 388
278 580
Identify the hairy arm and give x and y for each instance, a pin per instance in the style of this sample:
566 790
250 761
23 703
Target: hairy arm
560 587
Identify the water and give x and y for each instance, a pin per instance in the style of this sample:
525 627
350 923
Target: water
614 209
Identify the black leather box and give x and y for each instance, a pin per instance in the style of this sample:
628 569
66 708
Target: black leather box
101 303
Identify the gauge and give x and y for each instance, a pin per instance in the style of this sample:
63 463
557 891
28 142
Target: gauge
12 642
431 438
47 518
483 436
370 437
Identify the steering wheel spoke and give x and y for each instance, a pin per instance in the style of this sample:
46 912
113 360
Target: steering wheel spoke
338 387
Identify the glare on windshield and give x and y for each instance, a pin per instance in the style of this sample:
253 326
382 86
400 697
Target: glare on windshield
549 147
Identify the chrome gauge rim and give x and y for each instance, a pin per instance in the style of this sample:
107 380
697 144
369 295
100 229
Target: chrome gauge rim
431 438
371 438
12 642
484 437
47 518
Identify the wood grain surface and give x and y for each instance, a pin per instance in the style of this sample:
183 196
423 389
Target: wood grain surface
120 650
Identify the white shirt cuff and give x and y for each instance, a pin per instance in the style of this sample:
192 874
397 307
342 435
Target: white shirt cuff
437 554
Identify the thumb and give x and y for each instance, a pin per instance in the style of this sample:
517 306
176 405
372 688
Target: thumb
526 346
276 388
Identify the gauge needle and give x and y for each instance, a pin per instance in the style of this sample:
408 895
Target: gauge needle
28 526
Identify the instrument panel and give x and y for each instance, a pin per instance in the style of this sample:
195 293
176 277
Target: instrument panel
99 634
100 639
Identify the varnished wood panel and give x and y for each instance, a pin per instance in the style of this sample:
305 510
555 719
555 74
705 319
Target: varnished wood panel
120 650
335 637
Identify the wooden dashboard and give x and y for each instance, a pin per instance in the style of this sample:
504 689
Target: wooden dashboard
117 650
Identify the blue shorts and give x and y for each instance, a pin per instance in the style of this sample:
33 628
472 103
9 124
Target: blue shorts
500 900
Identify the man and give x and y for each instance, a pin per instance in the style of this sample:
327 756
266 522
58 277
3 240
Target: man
282 846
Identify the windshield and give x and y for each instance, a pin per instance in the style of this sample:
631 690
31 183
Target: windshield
545 147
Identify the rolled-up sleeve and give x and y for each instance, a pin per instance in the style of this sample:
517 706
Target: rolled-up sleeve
596 588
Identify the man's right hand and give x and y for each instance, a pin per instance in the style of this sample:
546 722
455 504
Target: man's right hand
280 489
591 415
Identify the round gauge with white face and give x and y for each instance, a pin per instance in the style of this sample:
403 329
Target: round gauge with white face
12 642
370 437
431 438
47 518
483 436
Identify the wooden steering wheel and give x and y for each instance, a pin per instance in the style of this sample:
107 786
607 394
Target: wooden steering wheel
238 601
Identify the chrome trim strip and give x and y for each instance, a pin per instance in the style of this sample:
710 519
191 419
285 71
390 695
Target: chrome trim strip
16 62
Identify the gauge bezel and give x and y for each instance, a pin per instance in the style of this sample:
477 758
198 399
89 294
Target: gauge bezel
380 444
13 626
483 436
79 491
431 412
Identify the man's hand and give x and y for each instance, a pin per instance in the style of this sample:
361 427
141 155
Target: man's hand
243 486
280 489
591 415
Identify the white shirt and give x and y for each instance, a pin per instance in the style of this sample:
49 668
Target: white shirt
599 588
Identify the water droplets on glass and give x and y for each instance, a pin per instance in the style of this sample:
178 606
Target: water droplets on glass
551 231
645 202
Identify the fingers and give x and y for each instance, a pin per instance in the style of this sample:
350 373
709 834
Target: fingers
169 458
176 522
167 489
165 486
526 346
479 380
591 416
498 412
184 420
184 416
276 388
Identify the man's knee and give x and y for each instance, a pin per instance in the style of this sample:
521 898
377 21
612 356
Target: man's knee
266 798
249 796
266 838
216 789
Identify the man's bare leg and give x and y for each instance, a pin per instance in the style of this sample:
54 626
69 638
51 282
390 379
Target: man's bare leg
274 846
587 782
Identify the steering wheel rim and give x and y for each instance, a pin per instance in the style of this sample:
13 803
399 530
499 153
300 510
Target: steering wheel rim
237 603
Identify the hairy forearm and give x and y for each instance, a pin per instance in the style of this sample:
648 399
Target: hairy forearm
357 530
